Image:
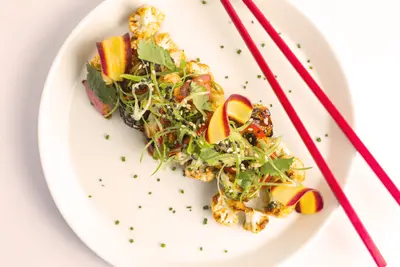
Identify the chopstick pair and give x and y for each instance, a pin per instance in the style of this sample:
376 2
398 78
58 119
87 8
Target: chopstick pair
329 106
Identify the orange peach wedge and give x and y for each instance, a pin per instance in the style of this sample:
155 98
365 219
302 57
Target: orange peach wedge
115 56
237 108
305 200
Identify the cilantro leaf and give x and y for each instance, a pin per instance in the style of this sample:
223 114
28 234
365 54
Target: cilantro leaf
280 164
208 153
246 179
149 51
213 158
200 100
106 94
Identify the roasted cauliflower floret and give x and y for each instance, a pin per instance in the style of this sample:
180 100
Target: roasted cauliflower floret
204 174
294 172
225 211
95 62
165 41
177 56
170 78
255 220
146 21
194 67
276 209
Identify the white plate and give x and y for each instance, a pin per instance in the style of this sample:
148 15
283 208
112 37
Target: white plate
75 154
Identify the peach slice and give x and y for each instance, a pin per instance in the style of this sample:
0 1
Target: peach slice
237 108
115 57
305 200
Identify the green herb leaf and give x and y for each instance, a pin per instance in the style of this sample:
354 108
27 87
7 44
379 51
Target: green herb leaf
208 153
107 94
246 179
280 164
149 51
200 100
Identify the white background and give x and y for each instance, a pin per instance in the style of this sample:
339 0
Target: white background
364 34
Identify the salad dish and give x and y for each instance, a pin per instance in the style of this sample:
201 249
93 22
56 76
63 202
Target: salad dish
190 124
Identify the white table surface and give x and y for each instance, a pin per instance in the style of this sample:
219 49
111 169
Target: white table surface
365 36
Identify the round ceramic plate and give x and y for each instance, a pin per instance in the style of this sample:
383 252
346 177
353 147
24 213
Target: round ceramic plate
94 188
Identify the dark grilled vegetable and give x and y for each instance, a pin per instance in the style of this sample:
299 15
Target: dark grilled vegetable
262 117
125 115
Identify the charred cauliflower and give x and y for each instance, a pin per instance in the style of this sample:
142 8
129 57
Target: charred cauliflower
294 171
255 220
194 67
204 174
278 210
146 21
225 211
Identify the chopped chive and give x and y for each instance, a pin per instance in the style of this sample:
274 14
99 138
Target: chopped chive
252 21
123 159
182 191
170 208
326 135
188 207
135 176
204 2
100 180
226 251
259 76
318 139
290 91
174 168
174 211
149 193
226 77
158 179
308 61
311 67
263 44
107 136
198 59
222 47
116 222
298 45
247 82
162 244
139 207
270 105
205 221
201 248
244 87
131 241
131 228
238 51
206 207
89 196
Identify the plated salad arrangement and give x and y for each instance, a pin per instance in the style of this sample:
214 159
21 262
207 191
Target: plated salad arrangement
189 122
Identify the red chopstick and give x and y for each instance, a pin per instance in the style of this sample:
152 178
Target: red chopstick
326 102
308 141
